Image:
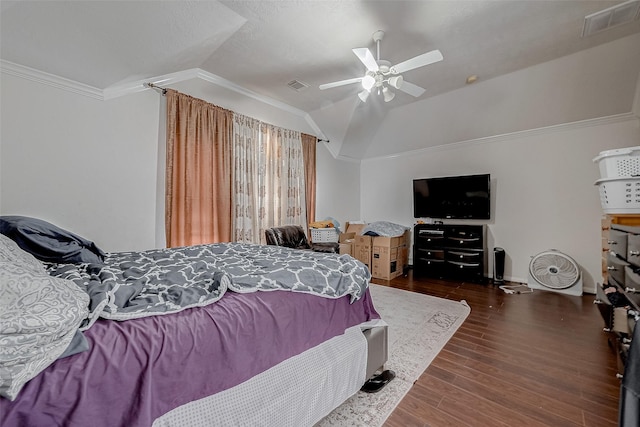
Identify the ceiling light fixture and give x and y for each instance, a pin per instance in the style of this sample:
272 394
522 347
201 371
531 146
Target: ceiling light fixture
363 95
396 81
368 81
388 95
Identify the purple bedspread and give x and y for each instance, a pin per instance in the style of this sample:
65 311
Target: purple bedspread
137 370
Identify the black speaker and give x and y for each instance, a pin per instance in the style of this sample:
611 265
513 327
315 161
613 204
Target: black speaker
498 265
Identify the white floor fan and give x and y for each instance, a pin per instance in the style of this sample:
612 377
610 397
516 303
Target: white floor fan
554 271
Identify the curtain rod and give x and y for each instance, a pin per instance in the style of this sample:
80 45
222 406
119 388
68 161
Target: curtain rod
158 89
163 91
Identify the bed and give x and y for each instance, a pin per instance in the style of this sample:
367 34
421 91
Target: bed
220 334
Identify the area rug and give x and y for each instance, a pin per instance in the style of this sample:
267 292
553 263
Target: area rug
419 327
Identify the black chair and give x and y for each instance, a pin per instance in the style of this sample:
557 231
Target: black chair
293 236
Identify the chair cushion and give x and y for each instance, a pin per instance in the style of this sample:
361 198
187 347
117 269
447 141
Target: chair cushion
328 247
291 236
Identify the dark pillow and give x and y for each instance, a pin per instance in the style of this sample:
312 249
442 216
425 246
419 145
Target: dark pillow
49 243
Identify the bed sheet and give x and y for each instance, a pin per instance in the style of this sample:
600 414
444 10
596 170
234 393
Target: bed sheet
138 370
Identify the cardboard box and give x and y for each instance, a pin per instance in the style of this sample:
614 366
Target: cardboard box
389 256
346 243
362 250
355 228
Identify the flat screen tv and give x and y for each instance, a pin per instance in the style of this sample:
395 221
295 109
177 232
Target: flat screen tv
458 197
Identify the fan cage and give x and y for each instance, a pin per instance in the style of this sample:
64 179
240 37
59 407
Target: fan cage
554 270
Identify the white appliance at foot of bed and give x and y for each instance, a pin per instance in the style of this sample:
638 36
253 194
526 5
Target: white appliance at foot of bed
294 392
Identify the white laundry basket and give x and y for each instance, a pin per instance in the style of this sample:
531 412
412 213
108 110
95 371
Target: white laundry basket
619 195
320 235
620 163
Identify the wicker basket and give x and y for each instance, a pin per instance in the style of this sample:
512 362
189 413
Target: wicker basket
320 235
621 163
619 195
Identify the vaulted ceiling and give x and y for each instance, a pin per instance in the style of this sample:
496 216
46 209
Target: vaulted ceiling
261 46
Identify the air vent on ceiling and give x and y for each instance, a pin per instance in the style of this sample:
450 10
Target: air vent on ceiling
611 17
297 85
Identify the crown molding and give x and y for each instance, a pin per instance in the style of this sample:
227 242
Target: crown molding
348 159
217 80
618 118
118 90
50 80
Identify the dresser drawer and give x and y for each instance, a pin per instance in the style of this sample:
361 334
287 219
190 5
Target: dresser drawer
632 283
430 254
617 241
464 242
465 237
429 267
604 307
622 353
632 277
464 269
467 257
621 320
430 238
615 267
633 249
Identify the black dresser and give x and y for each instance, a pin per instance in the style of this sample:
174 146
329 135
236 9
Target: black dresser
450 251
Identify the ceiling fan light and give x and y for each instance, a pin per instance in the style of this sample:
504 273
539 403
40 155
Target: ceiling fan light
396 81
388 95
364 95
368 81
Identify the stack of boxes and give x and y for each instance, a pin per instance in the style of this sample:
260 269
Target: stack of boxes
386 257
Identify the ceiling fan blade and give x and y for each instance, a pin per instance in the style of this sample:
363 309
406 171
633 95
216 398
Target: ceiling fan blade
340 83
367 58
418 61
411 89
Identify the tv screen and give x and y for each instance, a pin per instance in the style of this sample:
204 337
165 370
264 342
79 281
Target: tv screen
459 197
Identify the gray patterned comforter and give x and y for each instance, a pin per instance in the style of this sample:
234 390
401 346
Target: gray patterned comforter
131 285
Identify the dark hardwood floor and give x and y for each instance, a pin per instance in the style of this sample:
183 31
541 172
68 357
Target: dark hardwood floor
537 359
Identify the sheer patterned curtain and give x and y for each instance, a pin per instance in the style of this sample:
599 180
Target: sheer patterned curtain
198 181
246 140
269 179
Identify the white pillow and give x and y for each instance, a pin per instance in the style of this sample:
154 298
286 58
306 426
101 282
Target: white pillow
39 315
11 252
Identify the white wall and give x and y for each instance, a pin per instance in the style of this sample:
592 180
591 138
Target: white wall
95 167
84 164
337 187
542 189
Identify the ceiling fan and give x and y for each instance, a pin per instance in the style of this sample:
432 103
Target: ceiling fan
381 74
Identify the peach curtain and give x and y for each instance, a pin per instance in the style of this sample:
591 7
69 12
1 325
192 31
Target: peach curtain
198 187
309 143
